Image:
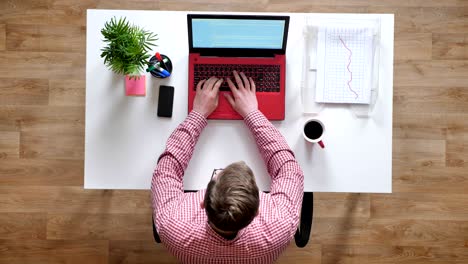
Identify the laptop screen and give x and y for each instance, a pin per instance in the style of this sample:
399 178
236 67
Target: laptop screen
237 33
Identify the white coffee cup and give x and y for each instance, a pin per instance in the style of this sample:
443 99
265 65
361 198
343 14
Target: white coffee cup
313 131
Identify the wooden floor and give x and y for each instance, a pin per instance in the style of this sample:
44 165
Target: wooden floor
47 217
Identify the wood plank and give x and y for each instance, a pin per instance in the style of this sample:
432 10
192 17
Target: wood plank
102 226
24 91
445 19
41 172
52 145
417 125
457 141
213 5
378 254
433 179
24 11
444 99
44 119
337 4
42 65
345 230
421 206
450 46
341 205
334 3
313 7
418 152
445 234
9 144
8 123
139 252
27 65
2 37
23 226
413 46
128 4
70 200
67 92
65 12
312 253
53 38
443 73
66 65
59 251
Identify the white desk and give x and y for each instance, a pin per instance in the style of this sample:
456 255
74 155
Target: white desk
124 136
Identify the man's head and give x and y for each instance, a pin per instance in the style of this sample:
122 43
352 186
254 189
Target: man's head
232 199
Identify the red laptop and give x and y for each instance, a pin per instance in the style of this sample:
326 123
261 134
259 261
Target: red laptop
255 45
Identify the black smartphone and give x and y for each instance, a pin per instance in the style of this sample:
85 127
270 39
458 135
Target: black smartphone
165 100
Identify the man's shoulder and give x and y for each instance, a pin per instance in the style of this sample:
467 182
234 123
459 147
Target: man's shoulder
271 216
188 209
182 231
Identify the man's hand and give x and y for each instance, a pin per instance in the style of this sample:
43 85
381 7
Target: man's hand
244 100
206 98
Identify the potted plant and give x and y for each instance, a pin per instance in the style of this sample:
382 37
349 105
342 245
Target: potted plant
126 52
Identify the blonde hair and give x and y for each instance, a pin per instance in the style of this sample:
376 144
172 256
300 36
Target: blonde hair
232 198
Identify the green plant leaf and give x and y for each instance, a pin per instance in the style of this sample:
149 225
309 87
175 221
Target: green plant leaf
127 46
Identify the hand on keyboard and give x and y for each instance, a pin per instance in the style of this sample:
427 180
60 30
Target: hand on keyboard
267 77
243 99
206 98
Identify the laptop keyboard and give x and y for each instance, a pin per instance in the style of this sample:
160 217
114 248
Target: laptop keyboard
266 77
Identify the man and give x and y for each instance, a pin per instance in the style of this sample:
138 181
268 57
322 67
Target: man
230 221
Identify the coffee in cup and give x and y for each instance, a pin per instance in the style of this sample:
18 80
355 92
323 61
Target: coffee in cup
313 131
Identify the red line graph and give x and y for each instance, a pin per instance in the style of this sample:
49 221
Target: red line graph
349 63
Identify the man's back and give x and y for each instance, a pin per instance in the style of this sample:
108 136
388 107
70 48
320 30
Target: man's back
191 239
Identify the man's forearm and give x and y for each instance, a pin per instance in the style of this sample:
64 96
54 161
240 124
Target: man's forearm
167 185
181 143
287 185
271 144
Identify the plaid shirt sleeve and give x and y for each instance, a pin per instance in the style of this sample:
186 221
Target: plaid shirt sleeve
287 178
167 182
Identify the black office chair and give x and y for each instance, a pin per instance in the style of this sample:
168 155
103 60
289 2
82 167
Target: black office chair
305 225
155 233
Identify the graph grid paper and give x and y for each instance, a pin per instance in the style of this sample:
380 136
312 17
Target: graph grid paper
344 65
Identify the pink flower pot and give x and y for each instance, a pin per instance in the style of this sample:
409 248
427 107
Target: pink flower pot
135 86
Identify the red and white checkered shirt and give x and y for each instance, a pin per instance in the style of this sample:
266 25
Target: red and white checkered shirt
183 225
